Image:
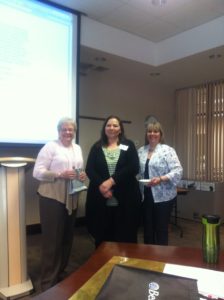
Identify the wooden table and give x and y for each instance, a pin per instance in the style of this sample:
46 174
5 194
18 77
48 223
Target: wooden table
168 254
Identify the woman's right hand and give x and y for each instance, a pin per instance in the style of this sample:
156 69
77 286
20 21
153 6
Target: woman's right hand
108 194
67 174
105 188
81 175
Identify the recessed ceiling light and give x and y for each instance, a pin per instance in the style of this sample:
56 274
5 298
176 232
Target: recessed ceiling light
215 56
159 2
100 58
212 56
155 74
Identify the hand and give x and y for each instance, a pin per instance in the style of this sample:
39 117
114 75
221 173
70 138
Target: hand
82 176
106 186
108 194
68 174
155 181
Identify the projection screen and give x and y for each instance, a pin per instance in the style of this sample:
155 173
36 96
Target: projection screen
38 70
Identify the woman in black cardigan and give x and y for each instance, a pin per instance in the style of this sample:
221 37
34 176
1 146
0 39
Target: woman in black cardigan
113 197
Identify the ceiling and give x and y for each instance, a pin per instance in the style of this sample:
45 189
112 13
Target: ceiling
154 23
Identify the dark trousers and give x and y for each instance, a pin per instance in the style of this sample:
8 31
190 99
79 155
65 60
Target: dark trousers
156 217
57 237
117 227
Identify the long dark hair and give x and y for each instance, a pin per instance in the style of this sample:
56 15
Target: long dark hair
104 140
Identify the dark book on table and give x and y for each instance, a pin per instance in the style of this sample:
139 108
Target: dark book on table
129 283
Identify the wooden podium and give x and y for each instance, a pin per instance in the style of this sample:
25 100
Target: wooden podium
14 280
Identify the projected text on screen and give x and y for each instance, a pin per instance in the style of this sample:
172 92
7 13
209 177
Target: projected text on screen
38 48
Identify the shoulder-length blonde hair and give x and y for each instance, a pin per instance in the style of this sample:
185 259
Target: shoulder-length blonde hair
154 126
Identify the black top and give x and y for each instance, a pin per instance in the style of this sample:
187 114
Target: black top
126 190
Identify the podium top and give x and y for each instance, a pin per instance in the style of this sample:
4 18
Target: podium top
15 162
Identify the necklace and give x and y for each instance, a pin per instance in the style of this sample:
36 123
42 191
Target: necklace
150 153
111 153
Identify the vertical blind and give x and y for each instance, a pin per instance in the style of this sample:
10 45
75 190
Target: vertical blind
199 134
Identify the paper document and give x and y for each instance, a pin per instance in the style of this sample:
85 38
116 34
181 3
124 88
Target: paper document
209 282
77 186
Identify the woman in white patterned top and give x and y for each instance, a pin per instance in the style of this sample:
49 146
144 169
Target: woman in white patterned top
160 164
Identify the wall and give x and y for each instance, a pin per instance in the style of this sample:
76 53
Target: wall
102 94
109 92
196 203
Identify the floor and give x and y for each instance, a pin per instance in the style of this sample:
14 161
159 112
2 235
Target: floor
83 247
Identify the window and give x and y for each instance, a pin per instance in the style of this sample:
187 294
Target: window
200 131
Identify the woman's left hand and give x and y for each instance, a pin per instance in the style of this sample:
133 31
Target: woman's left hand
82 176
155 181
108 194
106 186
67 174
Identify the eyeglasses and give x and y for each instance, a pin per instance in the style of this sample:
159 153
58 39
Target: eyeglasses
67 130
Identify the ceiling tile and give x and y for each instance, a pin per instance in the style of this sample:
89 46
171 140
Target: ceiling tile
138 16
158 30
127 18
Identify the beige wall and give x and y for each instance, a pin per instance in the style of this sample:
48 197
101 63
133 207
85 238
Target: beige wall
102 94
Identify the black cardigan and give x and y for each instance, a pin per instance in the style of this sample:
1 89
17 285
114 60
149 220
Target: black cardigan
126 190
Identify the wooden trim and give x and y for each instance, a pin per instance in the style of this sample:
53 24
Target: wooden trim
101 119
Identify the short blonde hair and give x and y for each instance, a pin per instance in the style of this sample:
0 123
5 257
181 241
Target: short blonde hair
156 126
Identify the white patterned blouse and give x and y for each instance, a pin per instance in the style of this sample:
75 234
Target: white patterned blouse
164 161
